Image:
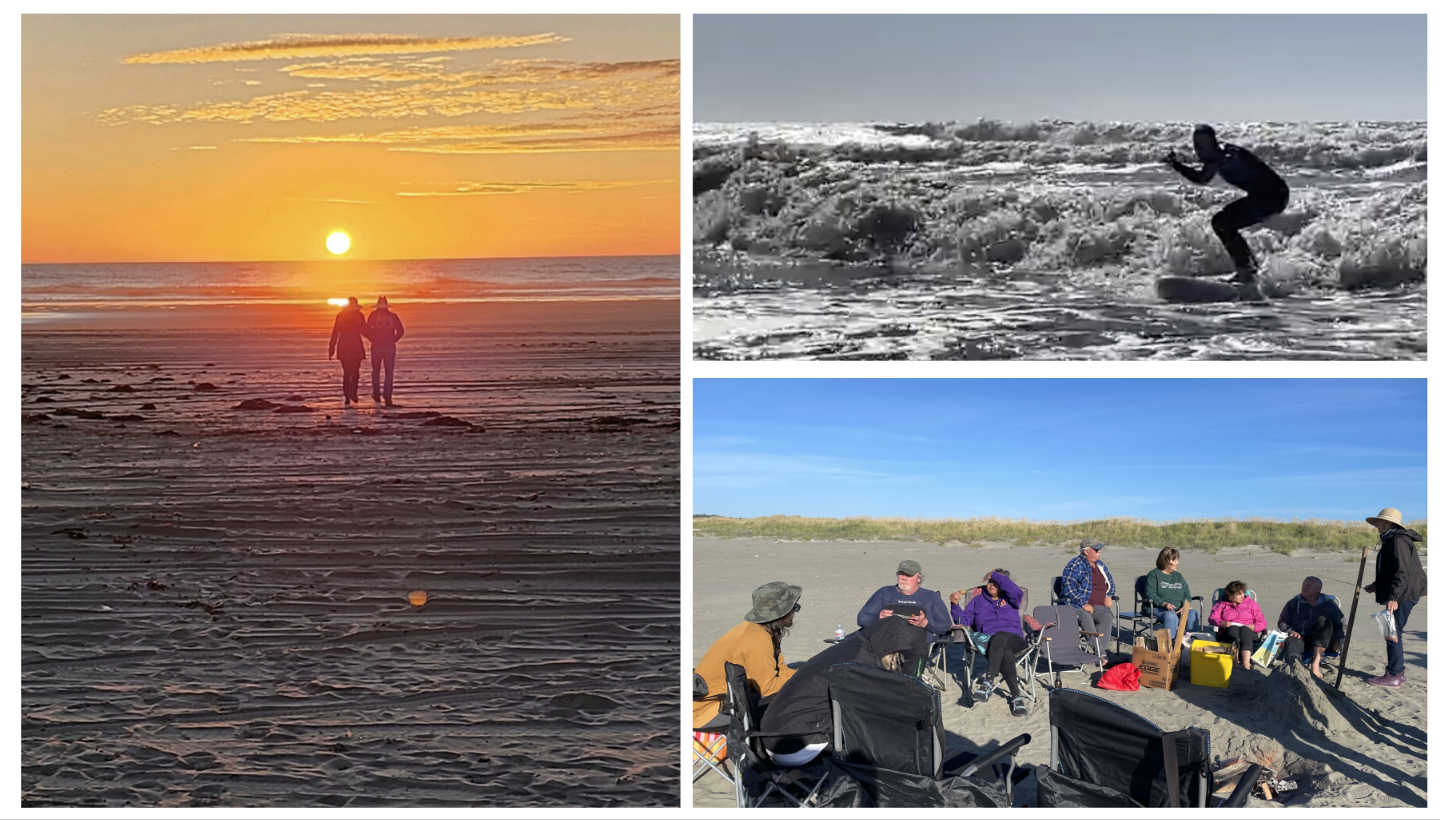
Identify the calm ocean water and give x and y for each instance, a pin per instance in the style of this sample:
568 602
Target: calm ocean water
51 287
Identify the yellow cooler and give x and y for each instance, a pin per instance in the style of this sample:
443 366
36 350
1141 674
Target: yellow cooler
1210 668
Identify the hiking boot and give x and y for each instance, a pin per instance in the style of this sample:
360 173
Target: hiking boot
1388 681
982 690
1017 708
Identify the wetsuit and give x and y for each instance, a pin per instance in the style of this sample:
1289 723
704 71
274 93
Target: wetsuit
1267 195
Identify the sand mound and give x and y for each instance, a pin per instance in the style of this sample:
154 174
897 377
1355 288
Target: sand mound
1295 700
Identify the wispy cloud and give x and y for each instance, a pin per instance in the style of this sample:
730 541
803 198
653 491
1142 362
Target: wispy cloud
507 188
331 200
625 106
311 46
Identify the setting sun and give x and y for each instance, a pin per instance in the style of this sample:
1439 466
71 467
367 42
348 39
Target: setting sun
337 242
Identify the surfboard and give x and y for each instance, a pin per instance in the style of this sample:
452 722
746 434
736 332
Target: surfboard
1188 289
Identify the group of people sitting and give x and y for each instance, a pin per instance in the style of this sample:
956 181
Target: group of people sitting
899 623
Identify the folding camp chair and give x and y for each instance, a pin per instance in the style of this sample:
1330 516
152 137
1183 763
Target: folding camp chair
755 769
965 637
1142 622
705 753
1060 642
1103 755
893 723
1057 597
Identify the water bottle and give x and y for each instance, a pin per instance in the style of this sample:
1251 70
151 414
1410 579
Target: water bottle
839 632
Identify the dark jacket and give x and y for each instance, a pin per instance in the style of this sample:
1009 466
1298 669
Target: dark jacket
383 329
1299 616
1398 574
347 340
935 610
802 706
989 615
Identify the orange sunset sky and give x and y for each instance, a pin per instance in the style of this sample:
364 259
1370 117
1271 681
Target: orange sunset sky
235 138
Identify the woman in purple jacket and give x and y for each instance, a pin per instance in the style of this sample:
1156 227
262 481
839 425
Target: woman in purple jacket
996 613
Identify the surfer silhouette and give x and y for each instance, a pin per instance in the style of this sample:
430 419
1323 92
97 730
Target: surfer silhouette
1266 193
347 340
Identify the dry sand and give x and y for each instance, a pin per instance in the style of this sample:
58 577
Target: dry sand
1364 751
214 600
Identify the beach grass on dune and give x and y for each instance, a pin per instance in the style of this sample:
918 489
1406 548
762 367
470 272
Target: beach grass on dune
1205 534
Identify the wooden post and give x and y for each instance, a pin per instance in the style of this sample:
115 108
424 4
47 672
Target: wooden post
1350 632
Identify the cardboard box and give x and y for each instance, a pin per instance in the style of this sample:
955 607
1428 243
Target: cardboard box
1158 658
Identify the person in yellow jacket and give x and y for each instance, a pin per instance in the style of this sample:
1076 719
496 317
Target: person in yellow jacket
753 644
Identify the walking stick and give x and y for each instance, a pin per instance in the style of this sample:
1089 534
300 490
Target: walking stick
1354 603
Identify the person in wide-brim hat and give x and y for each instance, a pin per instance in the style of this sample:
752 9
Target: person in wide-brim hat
754 643
1399 583
1389 515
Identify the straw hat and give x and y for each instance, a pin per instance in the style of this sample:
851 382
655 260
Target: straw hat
772 602
1389 515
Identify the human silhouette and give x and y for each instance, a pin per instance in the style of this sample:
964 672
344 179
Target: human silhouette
347 340
383 330
1266 193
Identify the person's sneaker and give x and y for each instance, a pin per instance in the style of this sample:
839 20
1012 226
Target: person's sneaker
982 690
1017 707
1387 681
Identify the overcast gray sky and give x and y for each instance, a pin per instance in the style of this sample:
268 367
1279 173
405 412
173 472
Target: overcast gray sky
835 68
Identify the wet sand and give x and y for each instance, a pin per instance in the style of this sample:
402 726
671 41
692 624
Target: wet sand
214 606
1371 753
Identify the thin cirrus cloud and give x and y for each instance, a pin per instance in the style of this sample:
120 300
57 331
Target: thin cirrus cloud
622 106
507 188
310 46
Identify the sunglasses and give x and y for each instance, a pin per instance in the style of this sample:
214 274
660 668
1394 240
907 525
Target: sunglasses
797 607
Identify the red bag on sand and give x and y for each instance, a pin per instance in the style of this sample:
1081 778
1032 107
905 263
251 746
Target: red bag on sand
1122 677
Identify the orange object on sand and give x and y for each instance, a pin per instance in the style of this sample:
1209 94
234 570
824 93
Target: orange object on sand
418 597
711 743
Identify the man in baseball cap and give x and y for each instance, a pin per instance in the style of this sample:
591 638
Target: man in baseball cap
1087 585
754 644
921 607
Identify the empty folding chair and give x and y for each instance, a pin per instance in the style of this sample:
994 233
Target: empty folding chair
757 776
1142 623
708 746
1103 755
891 723
1060 642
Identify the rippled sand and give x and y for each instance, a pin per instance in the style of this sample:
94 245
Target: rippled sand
214 600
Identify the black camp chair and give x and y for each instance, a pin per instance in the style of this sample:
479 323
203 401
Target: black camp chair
1142 618
706 755
1103 755
1060 642
755 770
892 723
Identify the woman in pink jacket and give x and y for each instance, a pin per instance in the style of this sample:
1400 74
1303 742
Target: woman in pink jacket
1239 619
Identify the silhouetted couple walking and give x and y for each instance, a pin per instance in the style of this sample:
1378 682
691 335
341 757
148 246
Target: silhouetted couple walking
347 342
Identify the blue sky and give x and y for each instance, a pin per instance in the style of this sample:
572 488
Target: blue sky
1222 68
1060 449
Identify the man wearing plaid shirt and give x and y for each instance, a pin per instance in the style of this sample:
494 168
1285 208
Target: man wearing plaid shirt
1087 585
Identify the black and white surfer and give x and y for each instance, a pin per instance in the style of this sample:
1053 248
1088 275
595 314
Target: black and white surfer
1266 194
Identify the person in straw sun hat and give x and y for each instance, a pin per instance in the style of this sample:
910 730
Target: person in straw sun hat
754 644
1399 583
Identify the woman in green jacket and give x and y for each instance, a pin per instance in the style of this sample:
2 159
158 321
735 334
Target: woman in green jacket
1166 588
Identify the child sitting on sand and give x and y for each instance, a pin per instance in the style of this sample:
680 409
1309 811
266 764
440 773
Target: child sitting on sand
1239 619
